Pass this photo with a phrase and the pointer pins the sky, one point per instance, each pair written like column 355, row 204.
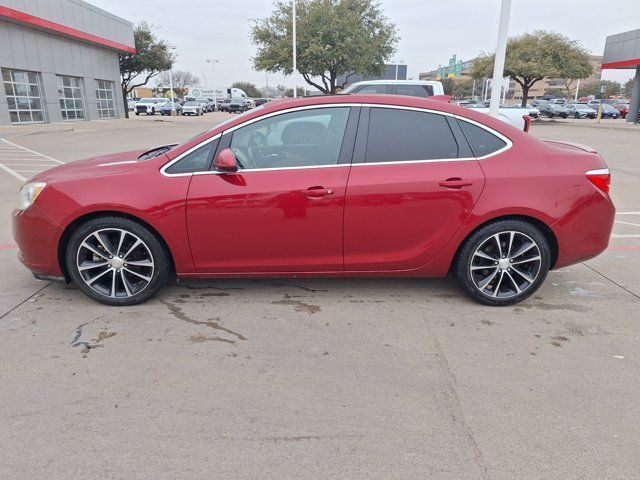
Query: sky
column 430, row 30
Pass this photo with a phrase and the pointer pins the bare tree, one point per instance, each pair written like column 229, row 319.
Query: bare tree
column 181, row 81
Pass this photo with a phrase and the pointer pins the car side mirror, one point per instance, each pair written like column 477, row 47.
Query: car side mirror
column 226, row 161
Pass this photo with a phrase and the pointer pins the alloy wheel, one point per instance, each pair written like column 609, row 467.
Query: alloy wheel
column 115, row 263
column 505, row 264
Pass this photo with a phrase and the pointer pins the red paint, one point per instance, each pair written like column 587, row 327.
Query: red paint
column 7, row 13
column 404, row 219
column 623, row 64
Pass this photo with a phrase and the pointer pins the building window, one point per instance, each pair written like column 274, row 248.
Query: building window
column 104, row 94
column 24, row 97
column 71, row 98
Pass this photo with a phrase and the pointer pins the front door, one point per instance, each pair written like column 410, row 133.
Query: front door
column 283, row 210
column 415, row 184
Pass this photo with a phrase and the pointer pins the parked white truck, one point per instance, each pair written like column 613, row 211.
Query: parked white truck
column 205, row 95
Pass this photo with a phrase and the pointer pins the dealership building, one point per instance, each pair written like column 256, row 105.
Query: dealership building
column 59, row 61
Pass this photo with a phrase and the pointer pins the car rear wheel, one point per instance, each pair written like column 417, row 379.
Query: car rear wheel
column 577, row 115
column 116, row 261
column 503, row 262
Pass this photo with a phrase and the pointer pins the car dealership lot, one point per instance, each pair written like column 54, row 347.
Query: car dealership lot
column 326, row 378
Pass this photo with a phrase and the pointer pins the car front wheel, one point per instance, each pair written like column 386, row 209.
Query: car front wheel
column 116, row 261
column 503, row 262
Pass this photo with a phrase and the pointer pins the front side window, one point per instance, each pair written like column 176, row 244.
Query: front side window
column 298, row 139
column 104, row 95
column 422, row 91
column 71, row 97
column 482, row 142
column 24, row 96
column 397, row 135
column 196, row 161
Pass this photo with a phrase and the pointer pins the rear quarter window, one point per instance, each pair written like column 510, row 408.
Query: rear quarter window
column 481, row 141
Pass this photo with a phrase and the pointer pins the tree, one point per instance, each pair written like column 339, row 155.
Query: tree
column 463, row 88
column 534, row 56
column 448, row 85
column 249, row 88
column 555, row 91
column 181, row 81
column 593, row 88
column 299, row 90
column 334, row 37
column 627, row 88
column 152, row 57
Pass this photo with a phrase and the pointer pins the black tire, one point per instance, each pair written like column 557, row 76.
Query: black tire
column 128, row 281
column 517, row 290
column 577, row 115
column 137, row 113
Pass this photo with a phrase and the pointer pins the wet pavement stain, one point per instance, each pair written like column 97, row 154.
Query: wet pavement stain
column 214, row 294
column 551, row 307
column 306, row 289
column 94, row 342
column 298, row 305
column 177, row 312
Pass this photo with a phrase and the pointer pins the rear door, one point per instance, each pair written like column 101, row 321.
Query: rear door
column 413, row 182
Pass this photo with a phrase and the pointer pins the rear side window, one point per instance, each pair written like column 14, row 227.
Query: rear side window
column 397, row 135
column 415, row 90
column 196, row 161
column 482, row 142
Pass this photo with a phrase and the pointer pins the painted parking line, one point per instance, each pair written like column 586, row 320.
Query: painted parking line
column 21, row 162
column 630, row 224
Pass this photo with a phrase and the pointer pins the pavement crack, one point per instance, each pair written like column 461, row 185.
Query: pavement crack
column 25, row 300
column 177, row 312
column 612, row 281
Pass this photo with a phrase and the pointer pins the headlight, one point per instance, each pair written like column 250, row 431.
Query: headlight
column 28, row 194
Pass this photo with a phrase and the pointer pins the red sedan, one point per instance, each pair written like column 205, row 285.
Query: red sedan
column 350, row 185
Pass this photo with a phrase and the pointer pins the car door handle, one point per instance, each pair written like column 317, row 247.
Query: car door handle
column 317, row 192
column 455, row 182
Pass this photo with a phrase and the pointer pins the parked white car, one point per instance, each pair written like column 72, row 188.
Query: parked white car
column 192, row 108
column 412, row 88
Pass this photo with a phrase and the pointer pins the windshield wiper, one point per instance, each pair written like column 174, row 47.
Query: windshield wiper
column 156, row 152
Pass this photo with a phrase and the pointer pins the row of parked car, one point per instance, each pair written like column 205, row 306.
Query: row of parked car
column 561, row 108
column 193, row 106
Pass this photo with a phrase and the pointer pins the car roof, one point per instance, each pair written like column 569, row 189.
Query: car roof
column 395, row 82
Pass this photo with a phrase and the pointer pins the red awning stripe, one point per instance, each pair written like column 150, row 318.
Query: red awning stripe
column 623, row 64
column 37, row 22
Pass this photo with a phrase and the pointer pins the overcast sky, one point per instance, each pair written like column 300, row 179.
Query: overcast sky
column 430, row 30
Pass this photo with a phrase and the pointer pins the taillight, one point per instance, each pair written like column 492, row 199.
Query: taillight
column 601, row 178
column 527, row 122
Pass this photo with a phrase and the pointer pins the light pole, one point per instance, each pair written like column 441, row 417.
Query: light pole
column 212, row 62
column 295, row 65
column 173, row 102
column 501, row 50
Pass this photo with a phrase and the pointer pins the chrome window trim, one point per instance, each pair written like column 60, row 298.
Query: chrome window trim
column 508, row 142
column 164, row 168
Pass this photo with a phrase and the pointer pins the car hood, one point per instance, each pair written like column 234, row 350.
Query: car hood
column 93, row 167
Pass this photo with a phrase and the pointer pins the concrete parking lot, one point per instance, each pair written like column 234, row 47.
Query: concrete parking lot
column 319, row 378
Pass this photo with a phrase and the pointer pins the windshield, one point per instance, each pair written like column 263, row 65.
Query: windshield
column 191, row 104
column 148, row 100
